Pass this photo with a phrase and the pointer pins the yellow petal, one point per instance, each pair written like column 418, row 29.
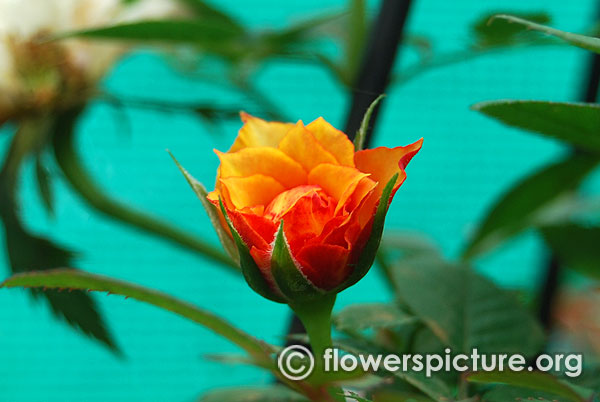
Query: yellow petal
column 259, row 133
column 266, row 161
column 338, row 181
column 333, row 140
column 250, row 191
column 302, row 146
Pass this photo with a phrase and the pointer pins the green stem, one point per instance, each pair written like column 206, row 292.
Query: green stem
column 316, row 318
column 76, row 175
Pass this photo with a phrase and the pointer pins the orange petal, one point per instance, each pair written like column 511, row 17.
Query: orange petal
column 307, row 218
column 255, row 231
column 302, row 146
column 383, row 163
column 259, row 133
column 266, row 161
column 338, row 181
column 250, row 191
column 333, row 140
column 286, row 201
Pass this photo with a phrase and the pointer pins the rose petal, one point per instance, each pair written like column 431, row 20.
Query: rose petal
column 286, row 201
column 340, row 182
column 333, row 140
column 383, row 163
column 255, row 230
column 266, row 161
column 259, row 133
column 302, row 146
column 242, row 192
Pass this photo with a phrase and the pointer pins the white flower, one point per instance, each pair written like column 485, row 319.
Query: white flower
column 23, row 21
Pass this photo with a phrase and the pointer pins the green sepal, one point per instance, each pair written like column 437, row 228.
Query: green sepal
column 250, row 270
column 361, row 134
column 367, row 256
column 290, row 280
column 211, row 211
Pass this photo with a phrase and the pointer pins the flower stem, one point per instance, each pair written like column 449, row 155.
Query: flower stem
column 316, row 317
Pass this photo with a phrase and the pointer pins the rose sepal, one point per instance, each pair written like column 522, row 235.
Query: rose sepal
column 250, row 270
column 369, row 252
column 292, row 283
column 211, row 210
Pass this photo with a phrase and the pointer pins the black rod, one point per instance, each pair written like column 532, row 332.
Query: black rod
column 372, row 80
column 551, row 284
column 377, row 64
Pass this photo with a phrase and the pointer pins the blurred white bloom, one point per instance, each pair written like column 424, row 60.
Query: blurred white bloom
column 22, row 59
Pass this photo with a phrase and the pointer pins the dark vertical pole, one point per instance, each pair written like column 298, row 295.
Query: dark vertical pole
column 551, row 284
column 373, row 77
column 377, row 64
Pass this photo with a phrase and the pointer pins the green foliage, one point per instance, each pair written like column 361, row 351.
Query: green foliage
column 490, row 31
column 44, row 184
column 62, row 279
column 528, row 202
column 361, row 135
column 28, row 252
column 573, row 123
column 530, row 380
column 212, row 212
column 77, row 176
column 202, row 33
column 274, row 393
column 290, row 280
column 465, row 310
column 371, row 316
column 575, row 246
column 585, row 42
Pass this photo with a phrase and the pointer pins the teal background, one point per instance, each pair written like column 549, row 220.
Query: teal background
column 466, row 162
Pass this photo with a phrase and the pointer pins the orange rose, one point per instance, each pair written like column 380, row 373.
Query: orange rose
column 302, row 205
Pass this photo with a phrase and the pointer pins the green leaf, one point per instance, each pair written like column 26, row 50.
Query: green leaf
column 408, row 243
column 251, row 271
column 28, row 252
column 292, row 282
column 371, row 315
column 274, row 393
column 175, row 31
column 206, row 12
column 575, row 246
column 585, row 42
column 525, row 203
column 531, row 380
column 211, row 211
column 361, row 135
column 464, row 309
column 369, row 252
column 503, row 393
column 391, row 395
column 573, row 123
column 490, row 31
column 353, row 396
column 44, row 185
column 77, row 176
column 72, row 279
column 432, row 386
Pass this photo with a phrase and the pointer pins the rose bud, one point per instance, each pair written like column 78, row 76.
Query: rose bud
column 304, row 211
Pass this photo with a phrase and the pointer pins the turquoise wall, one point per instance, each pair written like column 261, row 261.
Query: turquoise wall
column 465, row 163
